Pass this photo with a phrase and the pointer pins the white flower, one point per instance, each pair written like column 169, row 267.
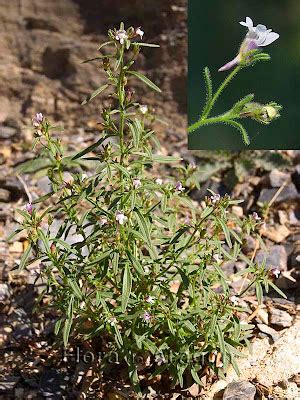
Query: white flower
column 276, row 272
column 143, row 109
column 215, row 198
column 159, row 181
column 103, row 221
column 121, row 36
column 112, row 321
column 257, row 36
column 121, row 218
column 160, row 359
column 218, row 258
column 139, row 32
column 136, row 183
column 150, row 299
column 234, row 300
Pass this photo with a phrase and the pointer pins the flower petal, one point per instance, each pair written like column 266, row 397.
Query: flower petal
column 248, row 23
column 261, row 28
column 271, row 37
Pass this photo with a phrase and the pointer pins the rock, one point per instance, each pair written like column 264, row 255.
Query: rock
column 4, row 292
column 8, row 383
column 4, row 195
column 280, row 318
column 278, row 178
column 276, row 233
column 237, row 210
column 296, row 177
column 240, row 391
column 7, row 132
column 269, row 331
column 16, row 247
column 52, row 384
column 276, row 257
column 288, row 194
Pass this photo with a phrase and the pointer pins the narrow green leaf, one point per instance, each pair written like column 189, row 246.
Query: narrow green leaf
column 66, row 330
column 100, row 258
column 25, row 257
column 145, row 80
column 196, row 376
column 242, row 130
column 145, row 44
column 13, row 234
column 44, row 239
column 88, row 149
column 165, row 159
column 94, row 94
column 126, row 289
column 43, row 198
column 221, row 339
column 226, row 231
column 277, row 290
column 75, row 288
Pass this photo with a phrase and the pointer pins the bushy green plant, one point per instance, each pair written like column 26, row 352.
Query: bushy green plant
column 145, row 273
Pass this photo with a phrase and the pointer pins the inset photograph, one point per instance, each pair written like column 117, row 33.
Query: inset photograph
column 243, row 75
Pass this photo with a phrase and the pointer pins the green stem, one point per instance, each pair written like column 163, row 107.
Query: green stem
column 212, row 120
column 220, row 90
column 221, row 118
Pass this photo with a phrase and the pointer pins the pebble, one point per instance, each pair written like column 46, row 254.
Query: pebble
column 277, row 233
column 4, row 195
column 4, row 292
column 269, row 331
column 7, row 132
column 278, row 178
column 239, row 391
column 280, row 318
column 289, row 193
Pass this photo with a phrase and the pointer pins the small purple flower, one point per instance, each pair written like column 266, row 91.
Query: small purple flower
column 256, row 217
column 103, row 221
column 121, row 218
column 179, row 187
column 257, row 36
column 149, row 299
column 146, row 316
column 37, row 120
column 121, row 36
column 29, row 208
column 139, row 32
column 275, row 272
column 136, row 183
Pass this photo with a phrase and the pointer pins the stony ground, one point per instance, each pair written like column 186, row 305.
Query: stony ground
column 42, row 44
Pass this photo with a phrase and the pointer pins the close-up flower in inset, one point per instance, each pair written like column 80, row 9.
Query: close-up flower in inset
column 257, row 36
